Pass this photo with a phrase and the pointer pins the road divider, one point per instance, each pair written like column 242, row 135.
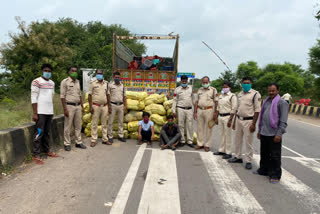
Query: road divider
column 305, row 110
column 16, row 143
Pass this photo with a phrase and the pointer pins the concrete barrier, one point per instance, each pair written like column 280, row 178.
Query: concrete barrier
column 311, row 111
column 16, row 143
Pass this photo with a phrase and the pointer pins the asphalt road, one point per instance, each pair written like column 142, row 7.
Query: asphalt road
column 126, row 178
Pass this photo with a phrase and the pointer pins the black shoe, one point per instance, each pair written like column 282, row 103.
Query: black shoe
column 110, row 140
column 191, row 145
column 81, row 146
column 67, row 148
column 181, row 144
column 219, row 153
column 235, row 160
column 122, row 140
column 226, row 156
column 248, row 166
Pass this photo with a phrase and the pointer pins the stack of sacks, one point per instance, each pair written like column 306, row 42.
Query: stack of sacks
column 157, row 105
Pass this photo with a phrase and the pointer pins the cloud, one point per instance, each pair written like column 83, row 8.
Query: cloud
column 264, row 31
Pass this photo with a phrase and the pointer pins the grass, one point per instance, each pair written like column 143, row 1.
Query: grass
column 17, row 111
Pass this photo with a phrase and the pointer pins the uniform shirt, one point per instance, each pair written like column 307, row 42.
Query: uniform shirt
column 249, row 103
column 171, row 132
column 70, row 90
column 146, row 126
column 266, row 129
column 98, row 90
column 227, row 103
column 207, row 97
column 42, row 92
column 182, row 97
column 116, row 92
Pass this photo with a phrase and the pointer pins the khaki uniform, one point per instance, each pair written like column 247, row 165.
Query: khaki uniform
column 206, row 98
column 98, row 91
column 183, row 102
column 248, row 104
column 117, row 93
column 70, row 90
column 227, row 104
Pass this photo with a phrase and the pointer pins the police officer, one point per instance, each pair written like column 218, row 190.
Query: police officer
column 204, row 112
column 117, row 105
column 70, row 94
column 249, row 106
column 183, row 102
column 227, row 106
column 98, row 104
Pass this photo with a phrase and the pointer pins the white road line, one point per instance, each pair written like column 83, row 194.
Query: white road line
column 161, row 191
column 294, row 152
column 305, row 122
column 232, row 191
column 124, row 192
column 304, row 194
column 309, row 163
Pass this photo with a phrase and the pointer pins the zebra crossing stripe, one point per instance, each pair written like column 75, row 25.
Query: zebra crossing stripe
column 161, row 191
column 124, row 192
column 234, row 194
column 305, row 195
column 309, row 163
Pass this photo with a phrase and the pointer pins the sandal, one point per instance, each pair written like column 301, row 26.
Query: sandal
column 52, row 154
column 274, row 181
column 38, row 160
column 93, row 144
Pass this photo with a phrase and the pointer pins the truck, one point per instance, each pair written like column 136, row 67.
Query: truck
column 153, row 74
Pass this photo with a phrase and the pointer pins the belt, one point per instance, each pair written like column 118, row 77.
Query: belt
column 118, row 104
column 245, row 118
column 205, row 108
column 73, row 104
column 185, row 108
column 97, row 104
column 223, row 115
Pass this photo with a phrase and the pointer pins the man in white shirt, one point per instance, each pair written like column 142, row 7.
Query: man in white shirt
column 42, row 91
column 146, row 129
column 287, row 97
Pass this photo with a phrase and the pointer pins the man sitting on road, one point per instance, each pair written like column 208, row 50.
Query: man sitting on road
column 146, row 129
column 272, row 125
column 170, row 134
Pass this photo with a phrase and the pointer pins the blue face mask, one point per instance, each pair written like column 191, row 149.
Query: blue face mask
column 99, row 76
column 47, row 75
column 246, row 87
column 184, row 84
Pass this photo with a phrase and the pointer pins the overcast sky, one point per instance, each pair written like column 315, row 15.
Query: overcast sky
column 270, row 31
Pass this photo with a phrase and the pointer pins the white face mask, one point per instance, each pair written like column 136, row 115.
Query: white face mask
column 205, row 85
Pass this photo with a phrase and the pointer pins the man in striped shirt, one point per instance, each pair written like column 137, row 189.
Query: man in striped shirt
column 42, row 91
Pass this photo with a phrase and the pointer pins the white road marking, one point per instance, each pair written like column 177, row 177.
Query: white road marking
column 305, row 122
column 161, row 191
column 232, row 191
column 294, row 152
column 124, row 192
column 305, row 195
column 309, row 163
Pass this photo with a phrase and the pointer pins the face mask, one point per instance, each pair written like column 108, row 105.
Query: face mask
column 246, row 87
column 225, row 90
column 46, row 75
column 74, row 75
column 205, row 85
column 170, row 123
column 184, row 84
column 99, row 76
column 146, row 120
column 117, row 80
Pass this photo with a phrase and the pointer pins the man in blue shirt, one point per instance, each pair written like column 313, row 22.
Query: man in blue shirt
column 146, row 129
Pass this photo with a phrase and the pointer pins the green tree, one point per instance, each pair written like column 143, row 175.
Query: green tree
column 62, row 43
